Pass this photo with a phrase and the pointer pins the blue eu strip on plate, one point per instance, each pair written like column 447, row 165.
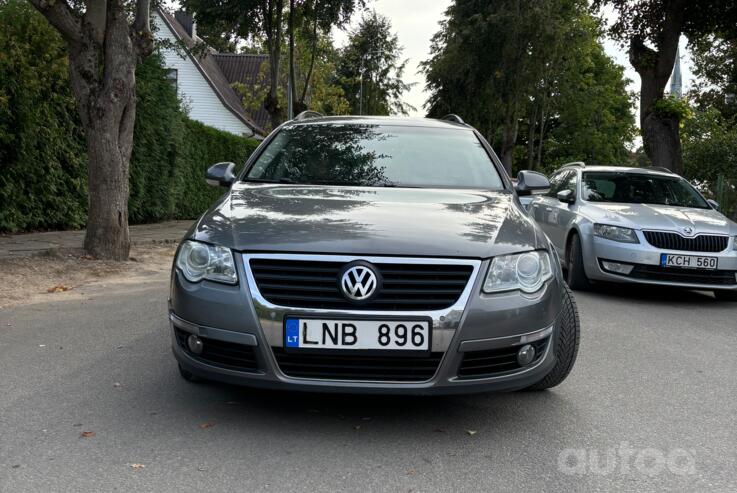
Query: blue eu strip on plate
column 292, row 339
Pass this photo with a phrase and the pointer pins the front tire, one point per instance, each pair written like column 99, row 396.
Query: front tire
column 568, row 336
column 724, row 295
column 576, row 275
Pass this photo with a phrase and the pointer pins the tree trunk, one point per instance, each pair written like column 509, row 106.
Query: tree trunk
column 531, row 126
column 104, row 49
column 292, row 78
column 313, row 55
column 660, row 133
column 543, row 116
column 107, row 107
column 107, row 223
column 273, row 15
column 509, row 139
column 662, row 141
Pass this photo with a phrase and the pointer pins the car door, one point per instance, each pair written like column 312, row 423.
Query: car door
column 545, row 209
column 564, row 214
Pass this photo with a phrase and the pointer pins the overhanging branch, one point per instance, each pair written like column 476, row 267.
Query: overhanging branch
column 62, row 17
column 142, row 28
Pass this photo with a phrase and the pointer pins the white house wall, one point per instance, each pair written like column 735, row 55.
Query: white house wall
column 199, row 98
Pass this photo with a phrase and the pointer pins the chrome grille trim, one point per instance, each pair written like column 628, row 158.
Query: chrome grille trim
column 444, row 321
column 404, row 287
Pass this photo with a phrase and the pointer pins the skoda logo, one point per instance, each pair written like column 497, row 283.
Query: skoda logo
column 359, row 282
column 688, row 230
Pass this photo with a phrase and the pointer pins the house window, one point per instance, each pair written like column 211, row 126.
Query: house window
column 172, row 75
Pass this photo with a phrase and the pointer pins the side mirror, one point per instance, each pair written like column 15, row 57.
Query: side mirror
column 713, row 203
column 220, row 175
column 531, row 181
column 566, row 196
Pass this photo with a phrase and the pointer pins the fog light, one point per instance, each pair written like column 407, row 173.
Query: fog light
column 525, row 355
column 617, row 268
column 195, row 344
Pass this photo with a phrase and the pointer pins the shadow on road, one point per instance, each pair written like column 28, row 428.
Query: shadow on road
column 655, row 294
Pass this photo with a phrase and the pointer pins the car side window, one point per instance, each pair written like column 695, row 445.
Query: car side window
column 557, row 181
column 570, row 183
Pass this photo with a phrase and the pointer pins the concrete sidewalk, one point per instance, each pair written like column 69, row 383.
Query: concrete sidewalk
column 35, row 243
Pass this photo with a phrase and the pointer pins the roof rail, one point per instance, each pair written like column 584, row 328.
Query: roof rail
column 452, row 117
column 574, row 164
column 661, row 168
column 305, row 115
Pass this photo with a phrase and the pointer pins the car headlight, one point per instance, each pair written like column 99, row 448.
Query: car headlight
column 616, row 233
column 524, row 271
column 199, row 261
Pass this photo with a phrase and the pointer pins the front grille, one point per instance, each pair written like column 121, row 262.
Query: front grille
column 357, row 367
column 495, row 362
column 220, row 353
column 314, row 284
column 691, row 276
column 674, row 241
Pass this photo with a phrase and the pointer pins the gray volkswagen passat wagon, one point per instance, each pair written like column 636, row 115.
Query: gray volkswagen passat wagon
column 358, row 254
column 636, row 225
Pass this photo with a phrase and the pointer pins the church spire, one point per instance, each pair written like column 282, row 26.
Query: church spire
column 676, row 83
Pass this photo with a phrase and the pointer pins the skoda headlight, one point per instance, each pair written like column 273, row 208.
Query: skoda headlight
column 524, row 271
column 616, row 233
column 199, row 261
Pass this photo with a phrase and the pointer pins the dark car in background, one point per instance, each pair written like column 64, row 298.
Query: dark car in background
column 360, row 254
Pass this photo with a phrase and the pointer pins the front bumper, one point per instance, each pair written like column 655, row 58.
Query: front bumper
column 646, row 261
column 245, row 325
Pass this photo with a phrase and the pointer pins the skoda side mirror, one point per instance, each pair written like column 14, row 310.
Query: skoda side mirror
column 220, row 175
column 529, row 182
column 566, row 196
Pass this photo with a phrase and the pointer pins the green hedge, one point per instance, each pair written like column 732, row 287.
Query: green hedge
column 43, row 170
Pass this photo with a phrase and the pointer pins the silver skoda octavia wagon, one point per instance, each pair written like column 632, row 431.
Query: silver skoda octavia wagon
column 636, row 225
column 357, row 254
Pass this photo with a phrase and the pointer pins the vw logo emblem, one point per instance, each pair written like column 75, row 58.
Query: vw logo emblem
column 688, row 230
column 359, row 282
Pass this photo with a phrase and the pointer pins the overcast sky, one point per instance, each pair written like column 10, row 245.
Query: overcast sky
column 415, row 22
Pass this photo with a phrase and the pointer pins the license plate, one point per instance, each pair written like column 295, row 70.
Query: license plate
column 688, row 261
column 313, row 333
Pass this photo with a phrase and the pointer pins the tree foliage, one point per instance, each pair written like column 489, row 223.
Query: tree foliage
column 43, row 159
column 261, row 24
column 532, row 76
column 715, row 66
column 372, row 61
column 651, row 30
column 710, row 156
column 316, row 84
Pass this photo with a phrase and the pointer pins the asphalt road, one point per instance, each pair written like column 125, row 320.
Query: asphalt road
column 650, row 406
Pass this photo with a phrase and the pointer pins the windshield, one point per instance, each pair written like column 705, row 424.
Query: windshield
column 640, row 188
column 376, row 155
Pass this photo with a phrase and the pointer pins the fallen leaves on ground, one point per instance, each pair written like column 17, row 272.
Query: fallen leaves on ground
column 87, row 434
column 138, row 466
column 209, row 424
column 471, row 432
column 411, row 472
column 59, row 288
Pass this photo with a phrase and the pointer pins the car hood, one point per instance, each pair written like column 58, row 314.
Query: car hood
column 661, row 217
column 368, row 221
